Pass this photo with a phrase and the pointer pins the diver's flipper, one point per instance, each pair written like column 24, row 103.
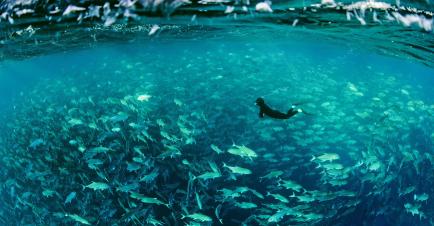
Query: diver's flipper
column 306, row 113
column 299, row 103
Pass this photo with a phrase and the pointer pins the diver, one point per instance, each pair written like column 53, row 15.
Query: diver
column 264, row 109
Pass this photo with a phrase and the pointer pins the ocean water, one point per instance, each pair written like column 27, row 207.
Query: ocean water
column 133, row 124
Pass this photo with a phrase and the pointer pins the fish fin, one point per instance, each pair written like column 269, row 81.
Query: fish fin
column 279, row 182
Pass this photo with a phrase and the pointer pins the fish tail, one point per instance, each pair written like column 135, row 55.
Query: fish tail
column 192, row 176
column 279, row 182
column 313, row 158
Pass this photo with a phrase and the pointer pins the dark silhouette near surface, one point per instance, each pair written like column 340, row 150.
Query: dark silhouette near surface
column 264, row 109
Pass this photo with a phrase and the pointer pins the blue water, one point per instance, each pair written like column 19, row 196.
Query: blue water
column 17, row 75
column 146, row 113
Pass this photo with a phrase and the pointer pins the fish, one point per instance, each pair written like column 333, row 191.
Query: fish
column 48, row 193
column 282, row 212
column 337, row 182
column 146, row 199
column 374, row 166
column 133, row 166
column 412, row 208
column 152, row 221
column 171, row 153
column 237, row 169
column 421, row 198
column 127, row 187
column 150, row 177
column 73, row 142
column 256, row 193
column 345, row 193
column 213, row 166
column 186, row 162
column 94, row 163
column 120, row 117
column 94, row 151
column 272, row 174
column 217, row 213
column 278, row 197
column 312, row 216
column 290, row 185
column 116, row 129
column 160, row 122
column 241, row 190
column 144, row 97
column 209, row 175
column 303, row 198
column 245, row 205
column 98, row 186
column 326, row 157
column 216, row 149
column 138, row 159
column 70, row 197
column 36, row 143
column 242, row 151
column 199, row 202
column 185, row 131
column 78, row 219
column 198, row 217
column 75, row 122
column 102, row 175
column 332, row 166
column 228, row 193
column 178, row 102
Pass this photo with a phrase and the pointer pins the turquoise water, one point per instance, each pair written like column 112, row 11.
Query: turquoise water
column 112, row 126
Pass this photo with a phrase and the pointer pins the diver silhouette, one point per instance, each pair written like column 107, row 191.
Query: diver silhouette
column 264, row 109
